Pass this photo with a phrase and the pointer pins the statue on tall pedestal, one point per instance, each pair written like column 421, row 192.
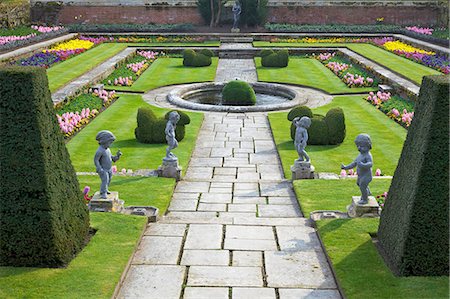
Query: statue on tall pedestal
column 236, row 9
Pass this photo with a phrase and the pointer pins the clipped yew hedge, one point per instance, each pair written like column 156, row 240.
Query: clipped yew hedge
column 238, row 93
column 270, row 58
column 197, row 59
column 414, row 226
column 43, row 219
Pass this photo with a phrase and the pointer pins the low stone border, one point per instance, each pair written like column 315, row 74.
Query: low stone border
column 176, row 97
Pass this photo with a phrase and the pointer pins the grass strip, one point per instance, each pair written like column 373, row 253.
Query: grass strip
column 120, row 118
column 360, row 117
column 62, row 73
column 94, row 273
column 170, row 71
column 306, row 72
column 181, row 45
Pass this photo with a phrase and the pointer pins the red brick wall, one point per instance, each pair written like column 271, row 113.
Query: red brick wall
column 406, row 15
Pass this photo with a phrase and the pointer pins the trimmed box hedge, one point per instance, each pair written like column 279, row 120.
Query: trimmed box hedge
column 270, row 58
column 43, row 219
column 414, row 226
column 238, row 93
column 197, row 59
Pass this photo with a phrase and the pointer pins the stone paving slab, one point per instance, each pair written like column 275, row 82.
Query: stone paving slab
column 249, row 232
column 192, row 187
column 249, row 244
column 247, row 258
column 251, row 208
column 225, row 276
column 204, row 236
column 308, row 293
column 185, row 195
column 246, row 293
column 183, row 205
column 282, row 200
column 205, row 258
column 216, row 207
column 269, row 221
column 278, row 211
column 216, row 198
column 161, row 229
column 205, row 293
column 153, row 281
column 276, row 189
column 158, row 250
column 249, row 200
column 306, row 269
column 296, row 238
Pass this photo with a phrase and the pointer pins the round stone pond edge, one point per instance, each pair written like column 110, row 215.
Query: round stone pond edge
column 176, row 97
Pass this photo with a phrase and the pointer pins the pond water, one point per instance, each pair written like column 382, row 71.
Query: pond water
column 215, row 98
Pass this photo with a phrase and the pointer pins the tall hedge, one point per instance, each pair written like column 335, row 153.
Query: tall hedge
column 43, row 219
column 414, row 226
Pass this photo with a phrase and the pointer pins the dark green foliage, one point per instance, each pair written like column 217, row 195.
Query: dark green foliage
column 335, row 121
column 266, row 52
column 151, row 129
column 43, row 219
column 121, row 70
column 414, row 225
column 324, row 130
column 184, row 118
column 238, row 93
column 207, row 52
column 254, row 12
column 120, row 28
column 192, row 58
column 277, row 59
column 299, row 111
column 204, row 7
column 84, row 100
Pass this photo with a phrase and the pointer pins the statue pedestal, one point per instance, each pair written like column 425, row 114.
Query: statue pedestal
column 302, row 170
column 170, row 169
column 370, row 209
column 110, row 204
column 235, row 30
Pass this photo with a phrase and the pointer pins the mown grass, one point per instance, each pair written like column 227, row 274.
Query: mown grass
column 170, row 71
column 360, row 117
column 62, row 73
column 120, row 118
column 136, row 191
column 306, row 72
column 208, row 43
column 93, row 273
column 361, row 271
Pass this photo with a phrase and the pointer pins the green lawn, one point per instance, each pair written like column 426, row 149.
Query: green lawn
column 306, row 72
column 169, row 71
column 361, row 271
column 120, row 118
column 208, row 43
column 136, row 191
column 405, row 67
column 314, row 195
column 66, row 71
column 95, row 271
column 360, row 117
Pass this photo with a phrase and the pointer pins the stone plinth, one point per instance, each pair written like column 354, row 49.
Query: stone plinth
column 370, row 209
column 235, row 30
column 170, row 169
column 110, row 204
column 302, row 170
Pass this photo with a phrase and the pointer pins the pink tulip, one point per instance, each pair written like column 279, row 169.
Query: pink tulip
column 351, row 172
column 114, row 169
column 123, row 171
column 86, row 189
column 378, row 172
column 343, row 173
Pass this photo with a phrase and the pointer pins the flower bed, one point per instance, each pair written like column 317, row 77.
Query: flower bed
column 395, row 107
column 351, row 75
column 129, row 70
column 11, row 39
column 78, row 112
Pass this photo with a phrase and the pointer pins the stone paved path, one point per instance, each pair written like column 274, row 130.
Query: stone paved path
column 230, row 69
column 234, row 228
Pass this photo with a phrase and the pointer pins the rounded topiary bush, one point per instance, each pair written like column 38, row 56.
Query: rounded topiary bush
column 335, row 121
column 188, row 57
column 192, row 58
column 184, row 118
column 207, row 52
column 145, row 121
column 318, row 131
column 299, row 111
column 238, row 93
column 276, row 59
column 266, row 52
column 202, row 60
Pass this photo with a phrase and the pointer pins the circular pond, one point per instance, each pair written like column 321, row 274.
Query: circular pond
column 207, row 97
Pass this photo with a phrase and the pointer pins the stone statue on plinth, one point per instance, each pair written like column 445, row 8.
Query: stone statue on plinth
column 365, row 204
column 170, row 167
column 302, row 168
column 236, row 9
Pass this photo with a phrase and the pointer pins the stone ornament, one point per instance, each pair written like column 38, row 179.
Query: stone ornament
column 363, row 164
column 103, row 160
column 236, row 9
column 301, row 137
column 172, row 142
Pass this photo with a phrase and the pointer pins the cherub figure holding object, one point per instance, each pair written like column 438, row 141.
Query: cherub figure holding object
column 301, row 136
column 363, row 165
column 103, row 160
column 171, row 125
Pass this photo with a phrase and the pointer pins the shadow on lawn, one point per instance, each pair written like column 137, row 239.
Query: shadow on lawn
column 289, row 145
column 132, row 143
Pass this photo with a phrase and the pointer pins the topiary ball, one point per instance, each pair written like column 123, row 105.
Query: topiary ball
column 188, row 57
column 318, row 131
column 299, row 111
column 238, row 93
column 335, row 121
column 145, row 123
column 266, row 52
column 207, row 52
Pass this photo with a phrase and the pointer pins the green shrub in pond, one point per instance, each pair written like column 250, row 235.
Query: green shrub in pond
column 192, row 58
column 44, row 221
column 324, row 130
column 238, row 93
column 277, row 59
column 151, row 129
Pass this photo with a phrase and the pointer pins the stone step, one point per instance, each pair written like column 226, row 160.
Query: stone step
column 235, row 39
column 238, row 53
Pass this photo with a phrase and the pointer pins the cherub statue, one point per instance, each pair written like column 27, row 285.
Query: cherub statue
column 171, row 125
column 103, row 160
column 301, row 136
column 363, row 165
column 236, row 9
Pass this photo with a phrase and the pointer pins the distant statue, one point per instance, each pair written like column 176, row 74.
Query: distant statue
column 236, row 13
column 363, row 165
column 171, row 125
column 301, row 136
column 103, row 160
